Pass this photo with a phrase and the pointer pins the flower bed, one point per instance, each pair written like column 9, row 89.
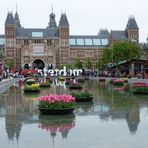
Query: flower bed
column 32, row 88
column 56, row 104
column 140, row 88
column 75, row 85
column 61, row 78
column 30, row 81
column 125, row 79
column 45, row 84
column 112, row 79
column 83, row 96
column 118, row 82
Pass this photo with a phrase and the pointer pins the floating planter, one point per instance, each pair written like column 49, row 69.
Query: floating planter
column 45, row 84
column 75, row 85
column 125, row 79
column 61, row 78
column 56, row 104
column 32, row 88
column 112, row 79
column 140, row 88
column 82, row 96
column 118, row 82
column 30, row 81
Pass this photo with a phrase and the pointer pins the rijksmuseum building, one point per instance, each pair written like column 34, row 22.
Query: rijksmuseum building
column 53, row 45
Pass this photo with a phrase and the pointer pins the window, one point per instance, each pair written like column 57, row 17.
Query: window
column 80, row 41
column 88, row 42
column 2, row 41
column 72, row 41
column 104, row 42
column 26, row 42
column 96, row 42
column 64, row 43
column 10, row 43
column 37, row 34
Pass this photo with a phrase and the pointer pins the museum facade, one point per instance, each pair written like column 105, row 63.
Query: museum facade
column 53, row 45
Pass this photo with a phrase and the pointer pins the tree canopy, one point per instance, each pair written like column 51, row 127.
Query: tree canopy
column 125, row 50
column 122, row 50
column 78, row 64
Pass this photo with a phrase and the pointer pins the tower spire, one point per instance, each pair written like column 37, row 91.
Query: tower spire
column 52, row 8
column 16, row 17
column 16, row 6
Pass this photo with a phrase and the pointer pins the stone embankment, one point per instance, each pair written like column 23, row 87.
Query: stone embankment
column 6, row 84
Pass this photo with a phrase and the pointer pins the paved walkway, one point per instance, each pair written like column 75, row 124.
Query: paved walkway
column 7, row 83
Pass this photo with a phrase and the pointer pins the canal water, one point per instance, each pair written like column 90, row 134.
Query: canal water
column 116, row 118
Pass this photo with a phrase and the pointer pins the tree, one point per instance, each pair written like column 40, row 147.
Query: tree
column 10, row 63
column 88, row 64
column 125, row 50
column 104, row 59
column 78, row 64
column 68, row 66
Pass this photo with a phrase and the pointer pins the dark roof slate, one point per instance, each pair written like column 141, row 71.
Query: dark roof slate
column 63, row 21
column 132, row 24
column 104, row 33
column 9, row 19
column 47, row 32
column 118, row 35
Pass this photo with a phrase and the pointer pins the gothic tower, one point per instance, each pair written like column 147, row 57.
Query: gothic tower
column 64, row 39
column 53, row 39
column 132, row 30
column 18, row 47
column 10, row 36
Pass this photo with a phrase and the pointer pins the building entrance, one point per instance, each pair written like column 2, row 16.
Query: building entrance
column 39, row 64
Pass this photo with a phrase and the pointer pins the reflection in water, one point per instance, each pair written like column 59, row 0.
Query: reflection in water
column 84, row 108
column 133, row 119
column 55, row 124
column 109, row 104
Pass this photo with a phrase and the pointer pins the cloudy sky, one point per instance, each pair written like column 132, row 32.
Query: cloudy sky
column 85, row 16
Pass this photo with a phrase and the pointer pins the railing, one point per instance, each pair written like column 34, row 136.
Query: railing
column 6, row 84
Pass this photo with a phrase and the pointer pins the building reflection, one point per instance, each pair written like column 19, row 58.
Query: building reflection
column 13, row 106
column 133, row 119
column 16, row 106
column 21, row 108
column 121, row 106
column 57, row 124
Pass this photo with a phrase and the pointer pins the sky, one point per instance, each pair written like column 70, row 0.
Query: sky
column 86, row 17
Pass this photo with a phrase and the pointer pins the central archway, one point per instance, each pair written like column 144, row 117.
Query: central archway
column 38, row 63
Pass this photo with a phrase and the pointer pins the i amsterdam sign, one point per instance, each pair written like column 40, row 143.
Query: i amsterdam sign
column 61, row 72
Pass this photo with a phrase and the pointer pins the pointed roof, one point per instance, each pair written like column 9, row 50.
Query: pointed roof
column 132, row 24
column 63, row 21
column 16, row 17
column 9, row 19
column 17, row 20
column 104, row 33
column 52, row 22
